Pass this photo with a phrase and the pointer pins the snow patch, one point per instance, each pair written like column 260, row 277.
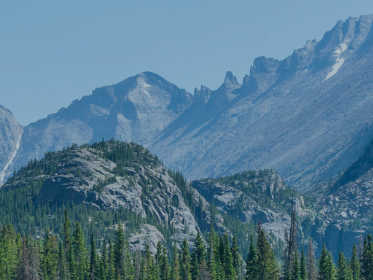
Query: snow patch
column 339, row 62
column 2, row 173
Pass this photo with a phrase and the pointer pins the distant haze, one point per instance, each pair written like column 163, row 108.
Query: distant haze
column 54, row 52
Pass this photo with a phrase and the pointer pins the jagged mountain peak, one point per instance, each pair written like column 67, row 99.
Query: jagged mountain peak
column 202, row 95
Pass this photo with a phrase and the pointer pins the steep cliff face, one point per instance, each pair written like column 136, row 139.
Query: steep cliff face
column 252, row 197
column 10, row 137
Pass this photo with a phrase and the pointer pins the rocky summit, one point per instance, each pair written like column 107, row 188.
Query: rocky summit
column 308, row 116
column 10, row 138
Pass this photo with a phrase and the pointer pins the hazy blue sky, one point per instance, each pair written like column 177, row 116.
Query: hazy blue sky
column 52, row 52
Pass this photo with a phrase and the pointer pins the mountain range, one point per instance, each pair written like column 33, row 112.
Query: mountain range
column 308, row 116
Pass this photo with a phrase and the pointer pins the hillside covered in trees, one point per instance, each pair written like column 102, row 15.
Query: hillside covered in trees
column 70, row 257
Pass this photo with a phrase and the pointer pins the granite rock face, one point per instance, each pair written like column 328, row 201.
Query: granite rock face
column 343, row 216
column 252, row 197
column 10, row 137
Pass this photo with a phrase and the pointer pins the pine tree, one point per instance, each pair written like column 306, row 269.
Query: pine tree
column 185, row 262
column 93, row 267
column 303, row 267
column 235, row 255
column 119, row 252
column 267, row 267
column 252, row 269
column 326, row 266
column 111, row 272
column 129, row 267
column 49, row 261
column 295, row 270
column 104, row 262
column 311, row 263
column 175, row 270
column 230, row 273
column 343, row 268
column 211, row 254
column 67, row 244
column 367, row 259
column 62, row 270
column 355, row 264
column 80, row 254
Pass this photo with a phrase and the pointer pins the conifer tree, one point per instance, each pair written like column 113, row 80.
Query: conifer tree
column 311, row 263
column 119, row 252
column 104, row 262
column 93, row 267
column 303, row 267
column 295, row 269
column 355, row 264
column 235, row 255
column 367, row 259
column 267, row 266
column 211, row 254
column 62, row 270
column 129, row 267
column 175, row 270
column 185, row 262
column 49, row 260
column 326, row 266
column 230, row 273
column 67, row 244
column 252, row 269
column 164, row 267
column 111, row 263
column 80, row 254
column 343, row 268
column 198, row 256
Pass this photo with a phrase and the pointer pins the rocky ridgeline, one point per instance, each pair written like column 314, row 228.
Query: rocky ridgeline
column 10, row 137
column 254, row 196
column 308, row 116
column 83, row 175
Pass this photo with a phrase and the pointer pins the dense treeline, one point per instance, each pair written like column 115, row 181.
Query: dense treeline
column 70, row 257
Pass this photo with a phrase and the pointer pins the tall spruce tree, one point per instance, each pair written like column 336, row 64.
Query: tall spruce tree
column 175, row 269
column 326, row 266
column 343, row 268
column 367, row 259
column 119, row 252
column 235, row 255
column 80, row 254
column 303, row 267
column 93, row 267
column 295, row 269
column 62, row 270
column 252, row 269
column 185, row 262
column 267, row 266
column 230, row 273
column 355, row 264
